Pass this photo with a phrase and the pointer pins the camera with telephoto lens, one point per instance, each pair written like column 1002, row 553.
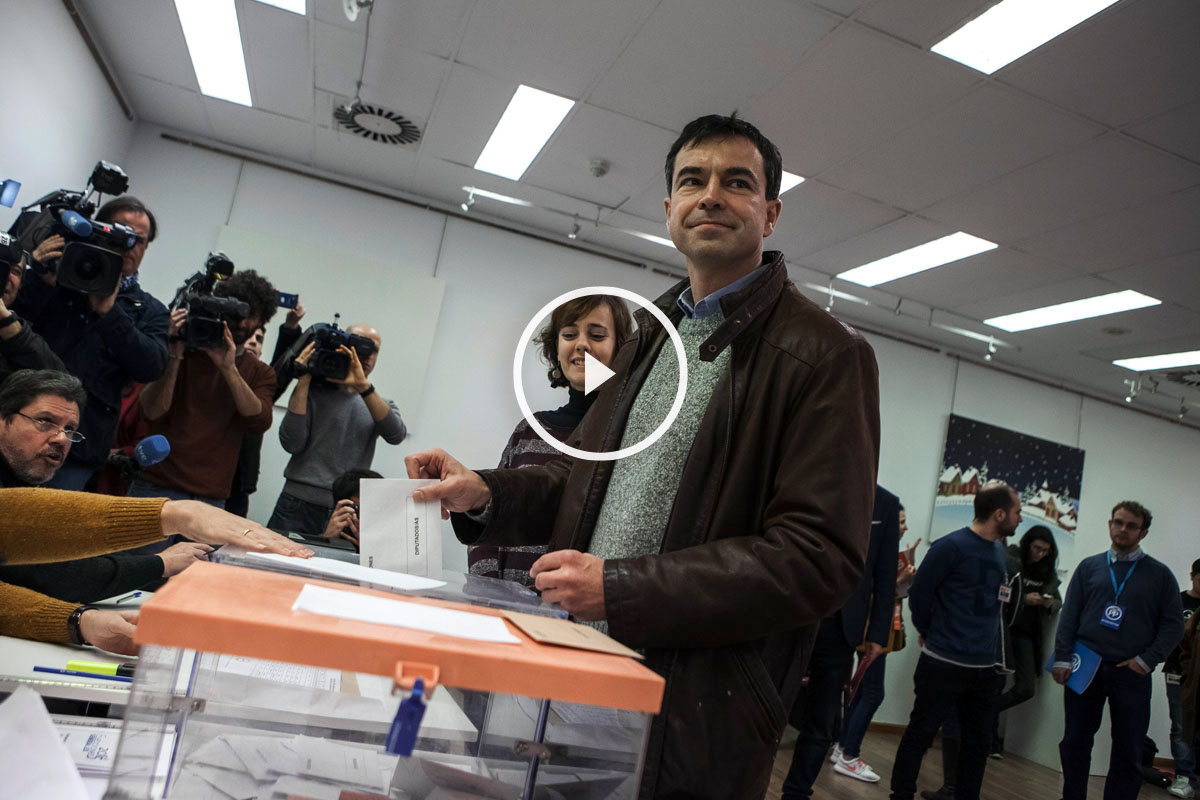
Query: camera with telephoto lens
column 326, row 361
column 207, row 313
column 94, row 251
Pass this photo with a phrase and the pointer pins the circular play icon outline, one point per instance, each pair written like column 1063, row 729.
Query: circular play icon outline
column 519, row 385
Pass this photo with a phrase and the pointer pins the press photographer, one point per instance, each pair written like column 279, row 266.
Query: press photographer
column 20, row 347
column 333, row 419
column 108, row 338
column 212, row 391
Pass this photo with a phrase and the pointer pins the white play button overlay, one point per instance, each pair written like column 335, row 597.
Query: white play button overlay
column 594, row 373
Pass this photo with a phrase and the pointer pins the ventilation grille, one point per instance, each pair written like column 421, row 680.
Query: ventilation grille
column 377, row 124
column 1183, row 377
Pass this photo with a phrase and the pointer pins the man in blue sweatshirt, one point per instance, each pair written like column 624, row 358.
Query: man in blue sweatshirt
column 1124, row 606
column 955, row 600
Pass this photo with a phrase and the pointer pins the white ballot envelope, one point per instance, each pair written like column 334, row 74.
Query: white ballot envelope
column 395, row 532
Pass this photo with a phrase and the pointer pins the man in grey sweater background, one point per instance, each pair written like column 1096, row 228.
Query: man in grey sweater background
column 330, row 428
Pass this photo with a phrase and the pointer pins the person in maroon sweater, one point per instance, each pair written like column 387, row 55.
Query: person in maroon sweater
column 207, row 399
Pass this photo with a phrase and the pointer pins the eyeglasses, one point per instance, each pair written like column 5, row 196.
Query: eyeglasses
column 46, row 426
column 1128, row 525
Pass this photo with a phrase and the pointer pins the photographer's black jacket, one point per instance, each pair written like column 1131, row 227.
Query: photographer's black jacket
column 26, row 350
column 127, row 344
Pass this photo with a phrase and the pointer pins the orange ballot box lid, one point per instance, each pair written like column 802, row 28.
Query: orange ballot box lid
column 217, row 608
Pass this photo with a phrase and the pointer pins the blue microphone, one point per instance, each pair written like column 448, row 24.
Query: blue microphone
column 76, row 223
column 151, row 450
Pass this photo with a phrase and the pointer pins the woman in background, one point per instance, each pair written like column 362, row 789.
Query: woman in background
column 595, row 325
column 846, row 755
column 1039, row 575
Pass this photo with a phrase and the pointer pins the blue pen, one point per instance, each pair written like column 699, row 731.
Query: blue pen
column 127, row 597
column 57, row 671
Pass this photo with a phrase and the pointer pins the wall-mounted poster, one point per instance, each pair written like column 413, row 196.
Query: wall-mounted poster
column 1048, row 476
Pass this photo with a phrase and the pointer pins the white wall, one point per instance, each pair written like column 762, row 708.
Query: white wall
column 57, row 126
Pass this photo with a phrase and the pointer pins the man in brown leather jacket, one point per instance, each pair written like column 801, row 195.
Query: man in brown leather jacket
column 767, row 513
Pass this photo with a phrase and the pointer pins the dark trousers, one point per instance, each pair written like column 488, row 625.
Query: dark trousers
column 867, row 701
column 817, row 715
column 293, row 515
column 1128, row 697
column 1025, row 672
column 941, row 689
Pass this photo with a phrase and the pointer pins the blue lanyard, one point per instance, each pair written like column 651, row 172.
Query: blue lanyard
column 1113, row 574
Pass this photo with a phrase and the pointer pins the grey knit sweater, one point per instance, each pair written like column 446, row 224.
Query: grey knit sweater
column 641, row 492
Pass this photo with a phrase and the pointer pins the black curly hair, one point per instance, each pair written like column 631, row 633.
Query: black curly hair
column 252, row 289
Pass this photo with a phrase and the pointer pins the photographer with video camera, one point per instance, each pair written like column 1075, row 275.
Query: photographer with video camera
column 213, row 391
column 334, row 417
column 20, row 347
column 82, row 296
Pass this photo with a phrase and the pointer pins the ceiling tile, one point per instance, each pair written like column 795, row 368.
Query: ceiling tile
column 182, row 109
column 875, row 244
column 431, row 26
column 470, row 105
column 990, row 132
column 1177, row 130
column 817, row 216
column 843, row 7
column 278, row 59
column 260, row 130
column 343, row 152
column 1098, row 177
column 1145, row 326
column 633, row 149
column 922, row 22
column 695, row 57
column 1135, row 60
column 158, row 49
column 337, row 56
column 1176, row 278
column 566, row 52
column 406, row 81
column 1164, row 227
column 1074, row 288
column 998, row 272
column 853, row 89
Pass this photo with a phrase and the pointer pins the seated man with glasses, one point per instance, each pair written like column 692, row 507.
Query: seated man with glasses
column 39, row 415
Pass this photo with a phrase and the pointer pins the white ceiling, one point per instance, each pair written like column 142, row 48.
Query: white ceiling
column 1081, row 160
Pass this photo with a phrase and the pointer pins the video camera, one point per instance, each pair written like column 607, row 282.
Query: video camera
column 11, row 251
column 91, row 260
column 207, row 314
column 326, row 362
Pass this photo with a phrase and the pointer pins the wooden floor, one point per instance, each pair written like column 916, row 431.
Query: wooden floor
column 1010, row 778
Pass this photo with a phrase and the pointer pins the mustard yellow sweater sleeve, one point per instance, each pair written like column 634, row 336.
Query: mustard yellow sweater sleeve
column 26, row 614
column 43, row 525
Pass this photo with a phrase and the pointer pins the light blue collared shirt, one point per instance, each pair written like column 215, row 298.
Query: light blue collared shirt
column 1133, row 556
column 712, row 304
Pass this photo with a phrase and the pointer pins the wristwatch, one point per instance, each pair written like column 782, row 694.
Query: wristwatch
column 9, row 320
column 73, row 631
column 365, row 393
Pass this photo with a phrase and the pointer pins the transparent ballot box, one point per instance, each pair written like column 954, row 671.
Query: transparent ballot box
column 256, row 684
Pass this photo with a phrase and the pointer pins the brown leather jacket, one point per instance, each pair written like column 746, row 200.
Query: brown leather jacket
column 767, row 536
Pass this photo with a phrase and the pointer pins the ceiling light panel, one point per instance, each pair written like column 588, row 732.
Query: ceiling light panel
column 1086, row 308
column 214, row 42
column 1010, row 29
column 294, row 6
column 529, row 121
column 1163, row 361
column 649, row 237
column 937, row 253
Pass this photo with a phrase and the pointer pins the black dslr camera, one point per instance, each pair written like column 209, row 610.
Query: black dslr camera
column 326, row 362
column 207, row 313
column 91, row 260
column 11, row 252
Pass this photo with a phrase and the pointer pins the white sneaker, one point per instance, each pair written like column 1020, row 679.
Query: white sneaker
column 856, row 768
column 1182, row 787
column 836, row 755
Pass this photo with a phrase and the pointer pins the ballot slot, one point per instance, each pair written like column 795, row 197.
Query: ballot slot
column 217, row 720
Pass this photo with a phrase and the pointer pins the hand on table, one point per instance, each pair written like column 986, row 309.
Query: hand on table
column 207, row 524
column 109, row 630
column 572, row 579
column 182, row 555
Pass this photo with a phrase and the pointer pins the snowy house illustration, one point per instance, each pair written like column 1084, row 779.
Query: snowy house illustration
column 950, row 481
column 1053, row 508
column 969, row 482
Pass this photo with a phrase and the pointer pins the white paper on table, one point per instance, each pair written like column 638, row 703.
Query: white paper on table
column 33, row 759
column 366, row 608
column 342, row 569
column 396, row 532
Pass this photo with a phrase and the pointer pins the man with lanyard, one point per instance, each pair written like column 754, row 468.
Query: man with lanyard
column 1124, row 606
